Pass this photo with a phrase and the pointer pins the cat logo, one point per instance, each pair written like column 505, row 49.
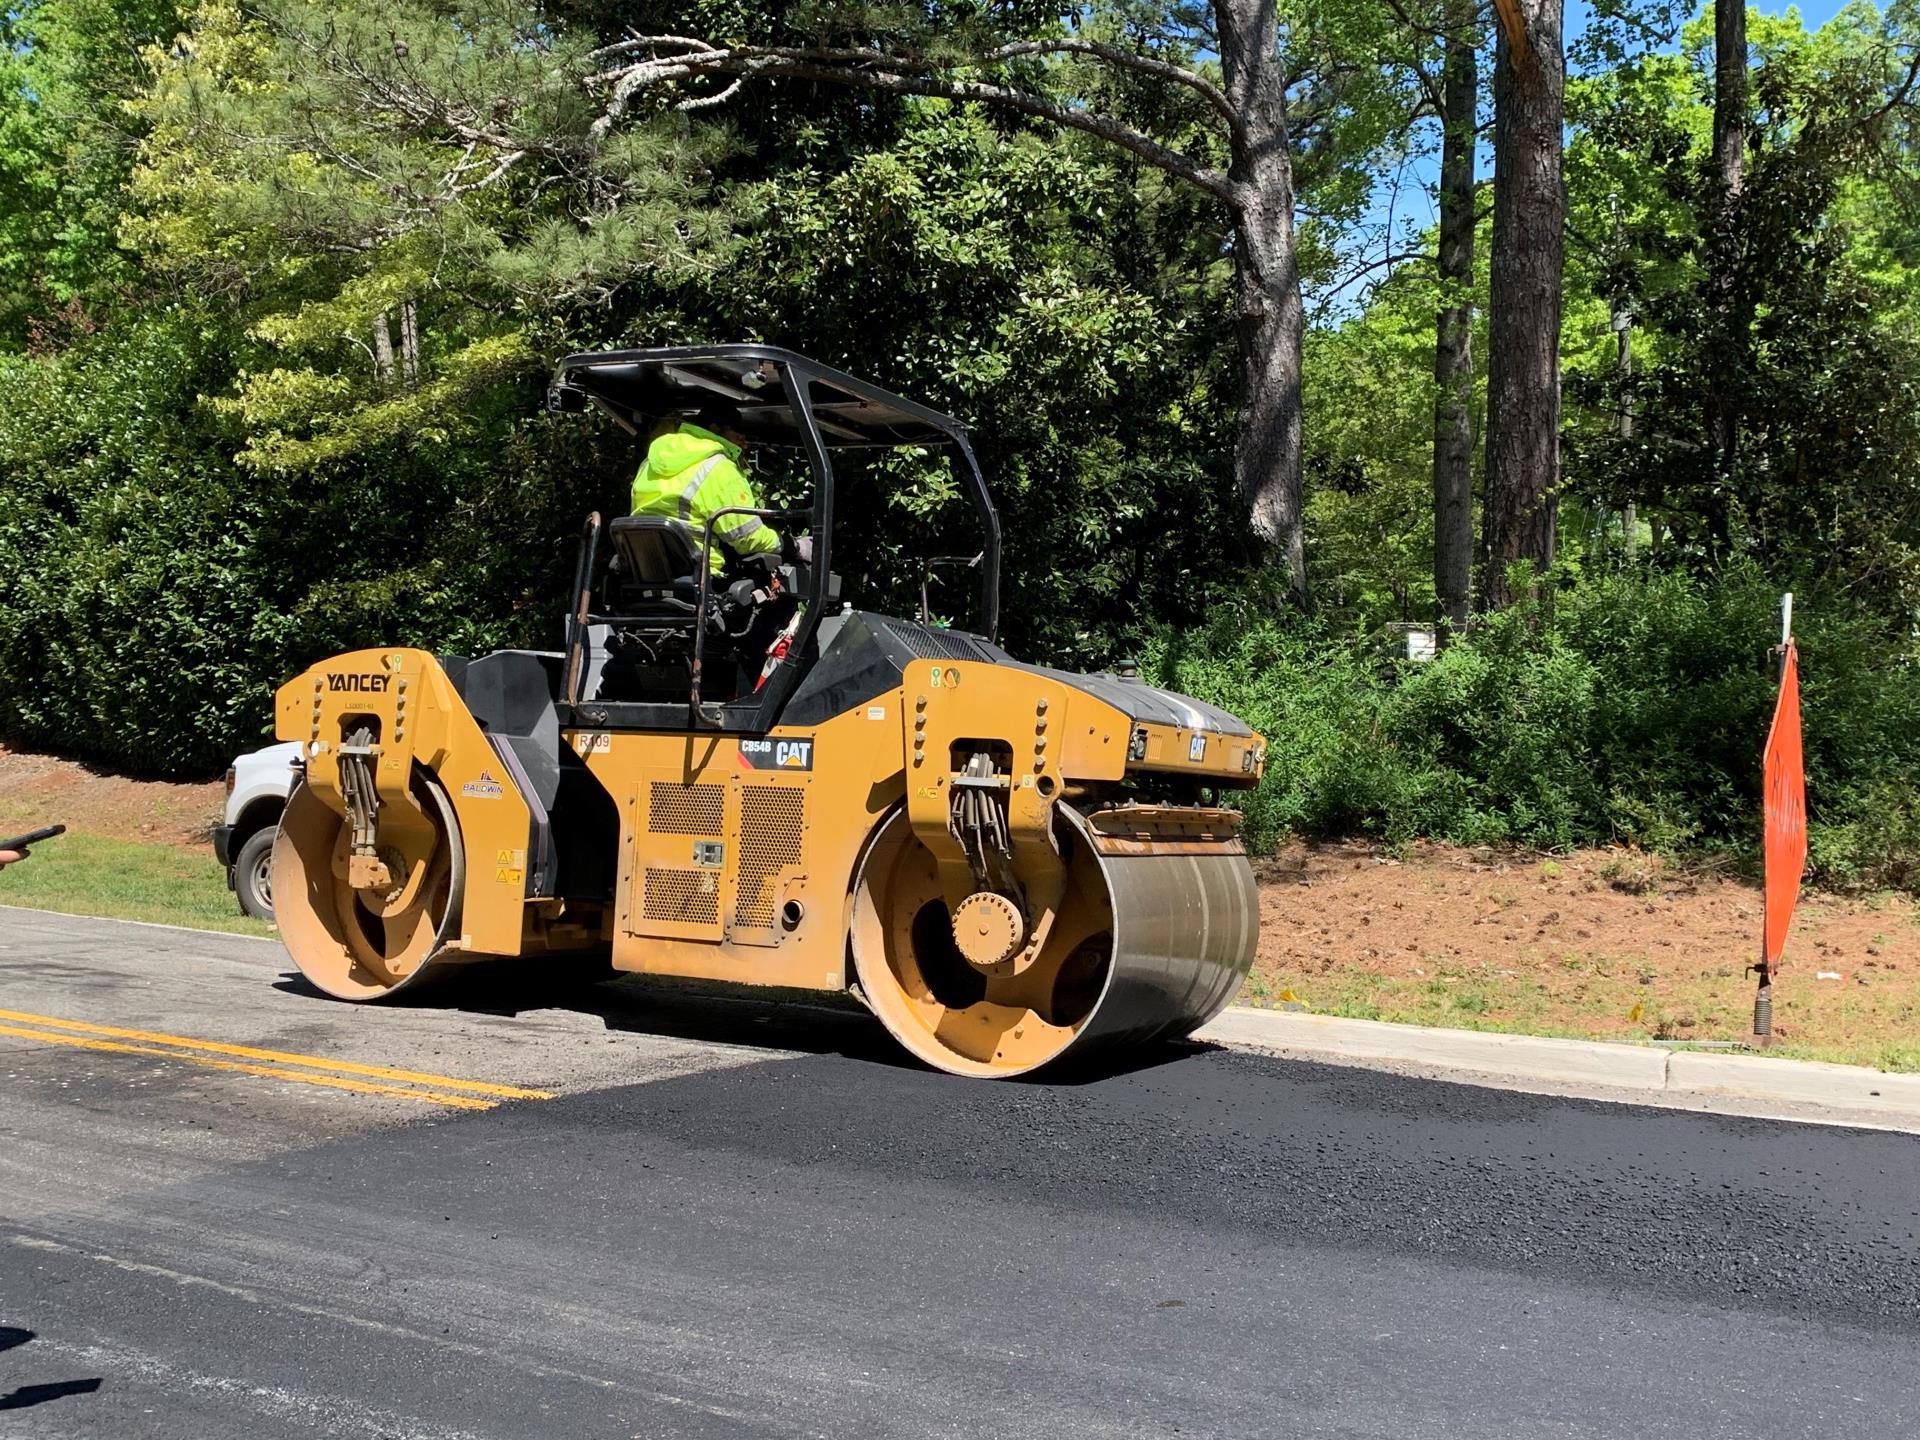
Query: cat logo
column 777, row 754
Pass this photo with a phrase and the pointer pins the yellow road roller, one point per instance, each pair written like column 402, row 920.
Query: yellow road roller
column 730, row 773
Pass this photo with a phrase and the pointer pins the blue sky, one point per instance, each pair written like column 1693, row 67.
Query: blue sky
column 1815, row 13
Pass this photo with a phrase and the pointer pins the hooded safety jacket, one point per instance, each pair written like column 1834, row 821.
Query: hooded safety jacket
column 690, row 474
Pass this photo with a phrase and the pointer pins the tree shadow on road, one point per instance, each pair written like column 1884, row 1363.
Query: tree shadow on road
column 25, row 1397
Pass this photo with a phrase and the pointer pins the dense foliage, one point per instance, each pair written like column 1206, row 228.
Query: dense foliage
column 280, row 286
column 1627, row 715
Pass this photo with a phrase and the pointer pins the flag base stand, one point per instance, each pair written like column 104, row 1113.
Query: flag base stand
column 1762, row 1035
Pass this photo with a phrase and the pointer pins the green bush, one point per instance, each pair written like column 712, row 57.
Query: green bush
column 153, row 593
column 132, row 623
column 1633, row 712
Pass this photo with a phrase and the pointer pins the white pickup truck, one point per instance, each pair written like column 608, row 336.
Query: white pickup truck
column 257, row 788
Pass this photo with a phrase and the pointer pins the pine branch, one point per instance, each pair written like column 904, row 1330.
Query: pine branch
column 892, row 74
column 1130, row 60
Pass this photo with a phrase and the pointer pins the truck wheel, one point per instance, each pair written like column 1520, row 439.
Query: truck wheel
column 253, row 873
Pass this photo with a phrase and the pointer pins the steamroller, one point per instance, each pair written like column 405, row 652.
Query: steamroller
column 731, row 774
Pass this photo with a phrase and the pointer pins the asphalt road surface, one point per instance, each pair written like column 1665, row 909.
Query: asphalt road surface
column 229, row 1207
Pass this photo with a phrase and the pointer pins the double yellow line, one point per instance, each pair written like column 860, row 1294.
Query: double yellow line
column 278, row 1064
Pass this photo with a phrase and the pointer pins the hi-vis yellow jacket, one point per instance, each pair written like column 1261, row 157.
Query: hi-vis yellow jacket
column 689, row 474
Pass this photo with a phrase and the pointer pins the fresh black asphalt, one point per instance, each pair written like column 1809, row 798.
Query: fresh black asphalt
column 815, row 1240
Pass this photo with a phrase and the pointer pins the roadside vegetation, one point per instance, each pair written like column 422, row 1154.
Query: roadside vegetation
column 1629, row 712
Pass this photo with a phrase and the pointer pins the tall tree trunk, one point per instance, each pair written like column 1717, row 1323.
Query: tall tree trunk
column 1723, row 254
column 1623, row 421
column 1729, row 93
column 1268, row 315
column 1620, row 317
column 1523, row 336
column 409, row 343
column 1453, row 333
column 383, row 349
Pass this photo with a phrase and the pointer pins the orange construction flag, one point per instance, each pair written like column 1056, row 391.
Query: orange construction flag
column 1785, row 812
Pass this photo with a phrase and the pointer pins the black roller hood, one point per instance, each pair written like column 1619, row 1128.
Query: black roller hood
column 1140, row 701
column 870, row 653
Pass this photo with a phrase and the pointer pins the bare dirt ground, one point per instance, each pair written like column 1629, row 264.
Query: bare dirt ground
column 1610, row 944
column 37, row 790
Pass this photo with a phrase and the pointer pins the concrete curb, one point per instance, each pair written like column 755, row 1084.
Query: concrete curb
column 1482, row 1053
column 1752, row 1085
column 1853, row 1087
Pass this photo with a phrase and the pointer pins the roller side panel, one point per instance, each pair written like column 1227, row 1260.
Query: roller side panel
column 721, row 834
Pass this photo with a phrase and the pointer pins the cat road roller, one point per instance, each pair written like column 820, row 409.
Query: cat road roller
column 730, row 774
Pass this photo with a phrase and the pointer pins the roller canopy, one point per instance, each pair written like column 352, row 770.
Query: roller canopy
column 750, row 382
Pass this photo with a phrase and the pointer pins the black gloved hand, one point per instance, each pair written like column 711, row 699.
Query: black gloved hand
column 798, row 549
column 734, row 610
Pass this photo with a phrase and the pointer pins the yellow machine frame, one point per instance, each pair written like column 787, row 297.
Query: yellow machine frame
column 791, row 816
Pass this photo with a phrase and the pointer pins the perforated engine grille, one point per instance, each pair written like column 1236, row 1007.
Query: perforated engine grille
column 924, row 642
column 771, row 820
column 691, row 897
column 685, row 809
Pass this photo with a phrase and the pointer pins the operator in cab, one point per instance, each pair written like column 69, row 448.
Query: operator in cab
column 692, row 472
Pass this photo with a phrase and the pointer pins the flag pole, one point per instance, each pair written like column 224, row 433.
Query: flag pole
column 1763, row 996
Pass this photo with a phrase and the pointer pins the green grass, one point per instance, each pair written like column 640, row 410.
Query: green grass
column 1880, row 1034
column 83, row 874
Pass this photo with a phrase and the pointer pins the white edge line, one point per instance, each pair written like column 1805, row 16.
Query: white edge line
column 146, row 924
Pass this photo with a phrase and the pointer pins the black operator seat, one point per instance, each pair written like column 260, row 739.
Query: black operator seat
column 657, row 559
